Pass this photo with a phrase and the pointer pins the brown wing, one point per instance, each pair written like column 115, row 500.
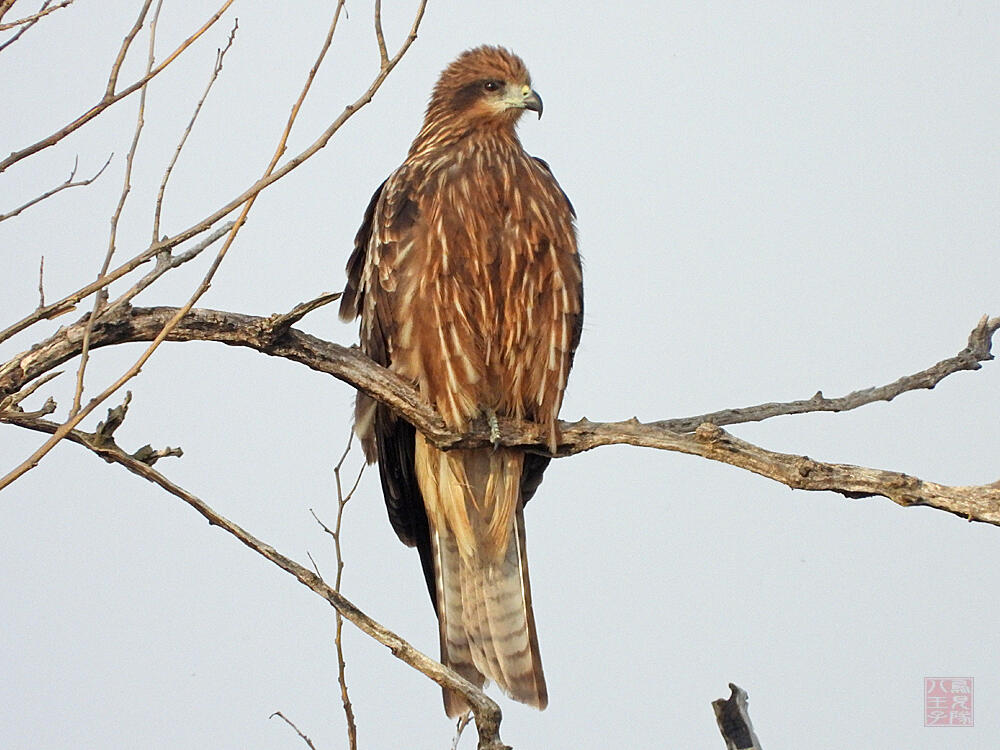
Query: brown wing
column 386, row 438
column 535, row 464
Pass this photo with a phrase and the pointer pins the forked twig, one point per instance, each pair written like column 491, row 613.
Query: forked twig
column 69, row 183
column 35, row 17
column 342, row 499
column 217, row 68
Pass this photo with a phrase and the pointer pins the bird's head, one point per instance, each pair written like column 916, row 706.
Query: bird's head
column 484, row 87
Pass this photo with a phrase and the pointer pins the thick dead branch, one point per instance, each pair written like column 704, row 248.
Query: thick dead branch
column 271, row 336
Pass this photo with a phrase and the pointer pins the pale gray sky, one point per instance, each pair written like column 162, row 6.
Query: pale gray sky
column 773, row 198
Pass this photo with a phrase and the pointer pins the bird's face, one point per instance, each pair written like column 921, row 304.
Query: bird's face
column 494, row 99
column 485, row 87
column 508, row 98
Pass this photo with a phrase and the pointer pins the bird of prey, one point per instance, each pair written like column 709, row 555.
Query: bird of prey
column 466, row 277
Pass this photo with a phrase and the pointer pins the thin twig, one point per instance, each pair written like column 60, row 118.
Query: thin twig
column 68, row 303
column 383, row 53
column 108, row 99
column 116, row 66
column 69, row 183
column 34, row 17
column 101, row 297
column 41, row 281
column 977, row 350
column 297, row 730
column 14, row 399
column 219, row 55
column 166, row 262
column 342, row 499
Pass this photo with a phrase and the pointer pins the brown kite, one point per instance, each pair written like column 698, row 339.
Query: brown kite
column 466, row 276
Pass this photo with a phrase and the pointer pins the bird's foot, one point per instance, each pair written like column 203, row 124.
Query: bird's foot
column 491, row 420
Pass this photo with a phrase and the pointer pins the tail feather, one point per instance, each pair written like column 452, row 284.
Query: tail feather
column 487, row 628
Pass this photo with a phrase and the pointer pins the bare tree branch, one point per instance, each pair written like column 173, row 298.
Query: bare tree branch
column 33, row 460
column 67, row 303
column 110, row 97
column 976, row 352
column 978, row 503
column 34, row 17
column 486, row 711
column 69, row 183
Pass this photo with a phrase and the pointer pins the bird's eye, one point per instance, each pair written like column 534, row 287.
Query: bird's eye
column 491, row 85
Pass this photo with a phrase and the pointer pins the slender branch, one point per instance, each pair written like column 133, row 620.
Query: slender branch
column 12, row 400
column 977, row 351
column 166, row 262
column 342, row 500
column 383, row 53
column 116, row 66
column 110, row 97
column 41, row 281
column 978, row 503
column 69, row 183
column 216, row 69
column 298, row 731
column 34, row 17
column 68, row 303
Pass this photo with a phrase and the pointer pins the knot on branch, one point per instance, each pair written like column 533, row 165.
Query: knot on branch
column 271, row 329
column 805, row 466
column 707, row 432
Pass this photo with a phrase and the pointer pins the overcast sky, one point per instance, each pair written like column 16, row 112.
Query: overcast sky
column 773, row 198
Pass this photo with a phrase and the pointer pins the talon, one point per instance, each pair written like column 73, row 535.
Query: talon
column 491, row 420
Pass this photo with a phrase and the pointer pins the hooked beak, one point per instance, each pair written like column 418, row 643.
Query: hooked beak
column 533, row 101
column 522, row 97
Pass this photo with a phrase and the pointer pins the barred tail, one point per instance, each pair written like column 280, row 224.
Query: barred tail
column 487, row 628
